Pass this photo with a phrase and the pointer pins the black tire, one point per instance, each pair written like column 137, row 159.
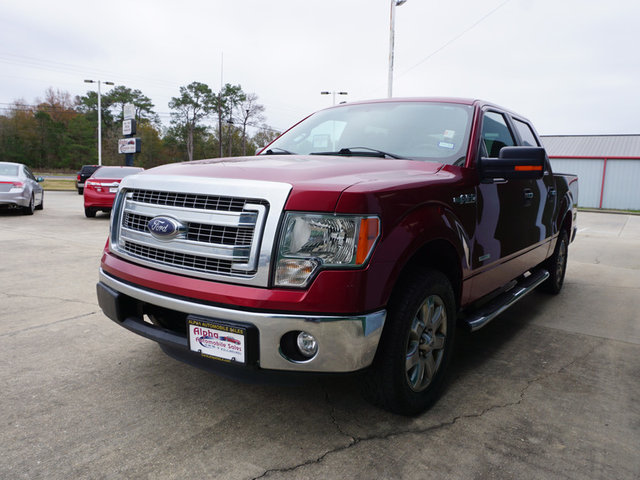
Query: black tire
column 41, row 204
column 410, row 367
column 556, row 265
column 80, row 190
column 89, row 212
column 29, row 209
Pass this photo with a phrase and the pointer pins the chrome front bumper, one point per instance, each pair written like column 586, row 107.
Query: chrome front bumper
column 346, row 343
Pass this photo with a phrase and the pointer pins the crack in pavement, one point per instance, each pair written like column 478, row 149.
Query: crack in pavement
column 333, row 417
column 353, row 441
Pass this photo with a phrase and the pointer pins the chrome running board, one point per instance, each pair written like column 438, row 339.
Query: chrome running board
column 481, row 317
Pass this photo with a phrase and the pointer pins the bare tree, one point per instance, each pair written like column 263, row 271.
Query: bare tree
column 226, row 101
column 250, row 112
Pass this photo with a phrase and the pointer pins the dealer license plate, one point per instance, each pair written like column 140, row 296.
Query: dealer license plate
column 218, row 341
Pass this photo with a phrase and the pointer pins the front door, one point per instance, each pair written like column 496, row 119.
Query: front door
column 506, row 213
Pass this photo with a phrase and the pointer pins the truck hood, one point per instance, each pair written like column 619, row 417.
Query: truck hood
column 317, row 181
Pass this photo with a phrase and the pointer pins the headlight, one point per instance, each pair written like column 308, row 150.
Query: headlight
column 311, row 242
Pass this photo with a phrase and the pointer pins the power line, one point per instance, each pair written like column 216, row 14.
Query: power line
column 471, row 27
column 449, row 42
column 60, row 67
column 75, row 69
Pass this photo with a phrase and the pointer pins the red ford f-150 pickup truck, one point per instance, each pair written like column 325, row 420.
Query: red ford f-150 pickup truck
column 356, row 241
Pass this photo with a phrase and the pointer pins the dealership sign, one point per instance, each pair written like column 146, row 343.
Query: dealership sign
column 129, row 145
column 129, row 127
column 129, row 111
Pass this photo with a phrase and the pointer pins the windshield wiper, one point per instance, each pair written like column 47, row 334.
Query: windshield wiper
column 278, row 151
column 350, row 151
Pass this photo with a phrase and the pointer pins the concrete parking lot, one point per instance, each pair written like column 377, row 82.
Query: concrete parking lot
column 551, row 389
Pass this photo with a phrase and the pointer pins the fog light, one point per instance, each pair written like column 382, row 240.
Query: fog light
column 307, row 344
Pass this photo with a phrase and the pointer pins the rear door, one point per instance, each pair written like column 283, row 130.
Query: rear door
column 544, row 189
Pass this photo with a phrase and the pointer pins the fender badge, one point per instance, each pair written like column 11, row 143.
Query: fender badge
column 465, row 199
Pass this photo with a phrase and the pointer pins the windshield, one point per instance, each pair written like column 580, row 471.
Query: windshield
column 415, row 130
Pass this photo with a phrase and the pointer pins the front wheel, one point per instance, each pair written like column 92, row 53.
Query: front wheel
column 410, row 367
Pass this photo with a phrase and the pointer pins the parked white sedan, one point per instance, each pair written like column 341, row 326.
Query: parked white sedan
column 19, row 188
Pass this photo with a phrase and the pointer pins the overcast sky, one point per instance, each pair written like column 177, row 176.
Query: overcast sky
column 571, row 66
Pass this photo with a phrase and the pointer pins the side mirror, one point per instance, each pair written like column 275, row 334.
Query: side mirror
column 514, row 163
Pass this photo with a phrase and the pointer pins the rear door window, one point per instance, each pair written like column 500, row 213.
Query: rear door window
column 526, row 134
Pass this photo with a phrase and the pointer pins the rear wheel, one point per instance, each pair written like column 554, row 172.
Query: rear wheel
column 41, row 204
column 556, row 264
column 89, row 212
column 28, row 210
column 410, row 367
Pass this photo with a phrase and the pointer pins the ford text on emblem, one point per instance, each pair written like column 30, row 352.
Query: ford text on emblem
column 165, row 228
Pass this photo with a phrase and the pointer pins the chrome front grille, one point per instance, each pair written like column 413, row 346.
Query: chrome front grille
column 216, row 237
column 216, row 232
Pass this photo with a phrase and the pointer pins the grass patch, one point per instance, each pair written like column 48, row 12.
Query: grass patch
column 608, row 210
column 62, row 184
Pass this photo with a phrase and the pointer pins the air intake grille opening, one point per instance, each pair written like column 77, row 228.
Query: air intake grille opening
column 176, row 259
column 190, row 200
column 198, row 232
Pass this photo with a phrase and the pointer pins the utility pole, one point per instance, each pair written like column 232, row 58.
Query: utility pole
column 392, row 27
column 219, row 102
column 99, row 117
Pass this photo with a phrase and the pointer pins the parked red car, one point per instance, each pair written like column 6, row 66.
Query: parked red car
column 101, row 188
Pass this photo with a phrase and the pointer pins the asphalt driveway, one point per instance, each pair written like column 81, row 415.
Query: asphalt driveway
column 551, row 389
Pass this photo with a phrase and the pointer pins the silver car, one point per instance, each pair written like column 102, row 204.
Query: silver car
column 19, row 188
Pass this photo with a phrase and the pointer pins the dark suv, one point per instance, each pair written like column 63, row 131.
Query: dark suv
column 85, row 172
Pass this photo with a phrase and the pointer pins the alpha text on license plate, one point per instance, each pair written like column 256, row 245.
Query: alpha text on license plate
column 222, row 342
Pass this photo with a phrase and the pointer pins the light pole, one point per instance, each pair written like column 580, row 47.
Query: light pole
column 334, row 94
column 392, row 26
column 99, row 116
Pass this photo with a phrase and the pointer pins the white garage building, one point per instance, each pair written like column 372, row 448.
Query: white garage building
column 608, row 167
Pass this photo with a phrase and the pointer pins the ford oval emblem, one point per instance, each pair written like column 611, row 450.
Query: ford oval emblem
column 165, row 228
